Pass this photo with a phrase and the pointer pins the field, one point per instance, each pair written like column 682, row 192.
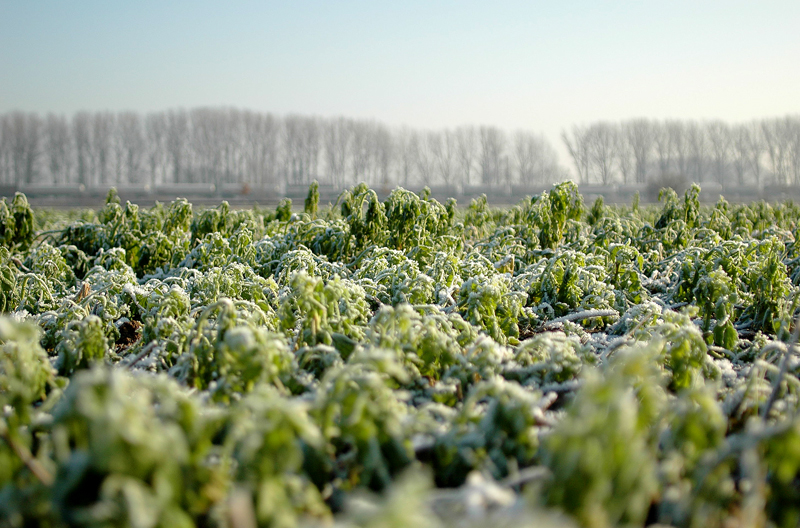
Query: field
column 401, row 362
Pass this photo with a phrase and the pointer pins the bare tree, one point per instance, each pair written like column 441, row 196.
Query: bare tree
column 740, row 151
column 548, row 167
column 775, row 140
column 405, row 141
column 34, row 147
column 301, row 148
column 118, row 157
column 156, row 131
column 578, row 148
column 466, row 141
column 384, row 153
column 423, row 158
column 679, row 146
column 524, row 157
column 372, row 172
column 782, row 138
column 25, row 146
column 311, row 146
column 232, row 155
column 5, row 148
column 270, row 128
column 103, row 124
column 719, row 139
column 442, row 146
column 292, row 149
column 793, row 133
column 81, row 134
column 756, row 149
column 207, row 145
column 492, row 160
column 624, row 156
column 698, row 144
column 131, row 138
column 663, row 147
column 337, row 147
column 177, row 136
column 602, row 142
column 639, row 133
column 260, row 148
column 58, row 149
column 534, row 159
column 359, row 151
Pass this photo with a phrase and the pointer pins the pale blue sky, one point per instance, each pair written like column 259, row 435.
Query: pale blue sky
column 533, row 65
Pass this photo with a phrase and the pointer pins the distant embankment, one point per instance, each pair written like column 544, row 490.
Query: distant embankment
column 68, row 196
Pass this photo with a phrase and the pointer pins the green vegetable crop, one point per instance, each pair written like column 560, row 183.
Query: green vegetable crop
column 401, row 362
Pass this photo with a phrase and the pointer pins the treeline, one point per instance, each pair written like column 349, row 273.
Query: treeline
column 756, row 153
column 229, row 146
column 224, row 146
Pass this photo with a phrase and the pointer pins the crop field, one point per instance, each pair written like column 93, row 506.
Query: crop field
column 401, row 363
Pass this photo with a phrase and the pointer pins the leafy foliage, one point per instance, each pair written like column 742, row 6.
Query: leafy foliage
column 541, row 365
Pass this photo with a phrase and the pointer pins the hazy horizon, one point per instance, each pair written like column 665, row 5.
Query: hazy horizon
column 513, row 65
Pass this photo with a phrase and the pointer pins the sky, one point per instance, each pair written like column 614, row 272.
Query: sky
column 539, row 66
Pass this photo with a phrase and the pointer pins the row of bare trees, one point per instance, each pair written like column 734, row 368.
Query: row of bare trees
column 229, row 146
column 756, row 153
